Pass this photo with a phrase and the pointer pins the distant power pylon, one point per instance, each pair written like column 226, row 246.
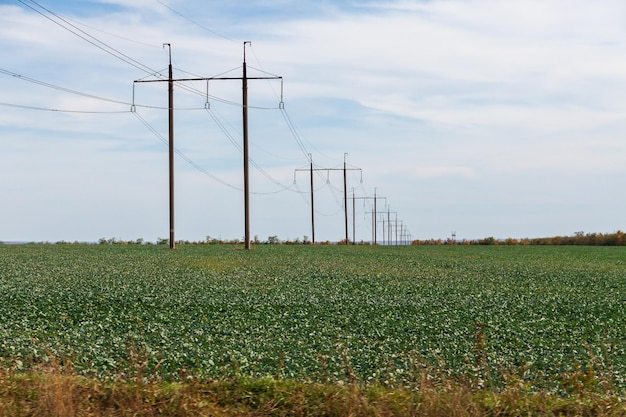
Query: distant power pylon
column 345, row 169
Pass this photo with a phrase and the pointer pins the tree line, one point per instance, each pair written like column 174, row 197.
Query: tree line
column 579, row 239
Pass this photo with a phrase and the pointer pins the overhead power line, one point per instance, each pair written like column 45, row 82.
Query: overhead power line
column 70, row 27
column 59, row 88
column 112, row 34
column 203, row 170
column 93, row 96
column 196, row 23
column 182, row 155
column 19, row 106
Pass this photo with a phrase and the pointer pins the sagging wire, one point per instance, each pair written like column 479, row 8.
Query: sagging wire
column 182, row 155
column 59, row 88
column 57, row 19
column 19, row 106
column 236, row 144
column 196, row 23
column 294, row 133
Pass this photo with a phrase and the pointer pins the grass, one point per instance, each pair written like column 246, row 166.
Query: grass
column 53, row 393
column 107, row 330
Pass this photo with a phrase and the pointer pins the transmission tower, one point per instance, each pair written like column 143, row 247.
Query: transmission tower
column 246, row 172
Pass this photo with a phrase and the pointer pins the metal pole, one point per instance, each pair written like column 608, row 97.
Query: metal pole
column 389, row 225
column 246, row 172
column 170, row 84
column 353, row 218
column 375, row 225
column 345, row 196
column 382, row 218
column 312, row 204
column 396, row 229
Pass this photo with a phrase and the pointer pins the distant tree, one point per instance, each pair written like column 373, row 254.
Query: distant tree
column 487, row 241
column 273, row 240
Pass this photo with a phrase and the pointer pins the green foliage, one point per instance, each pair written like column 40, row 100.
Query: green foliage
column 273, row 240
column 579, row 239
column 493, row 315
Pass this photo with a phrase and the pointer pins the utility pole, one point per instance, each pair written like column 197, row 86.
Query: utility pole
column 345, row 191
column 345, row 196
column 246, row 167
column 170, row 90
column 396, row 229
column 390, row 226
column 170, row 108
column 374, row 224
column 373, row 213
column 246, row 174
column 310, row 170
column 382, row 220
column 312, row 203
column 353, row 218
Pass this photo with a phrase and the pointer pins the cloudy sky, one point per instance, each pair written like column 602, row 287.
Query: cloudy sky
column 482, row 117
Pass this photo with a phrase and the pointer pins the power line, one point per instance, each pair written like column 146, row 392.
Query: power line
column 70, row 27
column 298, row 137
column 204, row 170
column 182, row 155
column 19, row 106
column 75, row 30
column 59, row 88
column 236, row 144
column 80, row 93
column 196, row 23
column 112, row 34
column 294, row 132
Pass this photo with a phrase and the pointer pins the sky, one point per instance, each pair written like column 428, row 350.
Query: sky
column 475, row 118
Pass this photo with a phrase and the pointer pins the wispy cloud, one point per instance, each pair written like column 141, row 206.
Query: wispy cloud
column 439, row 95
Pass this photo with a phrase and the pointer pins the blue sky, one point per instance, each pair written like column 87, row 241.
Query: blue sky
column 483, row 117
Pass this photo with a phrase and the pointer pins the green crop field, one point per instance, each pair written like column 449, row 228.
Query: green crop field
column 318, row 313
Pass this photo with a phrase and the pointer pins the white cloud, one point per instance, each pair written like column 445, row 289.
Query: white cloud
column 446, row 93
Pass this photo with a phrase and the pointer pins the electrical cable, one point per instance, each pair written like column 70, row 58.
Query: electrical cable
column 56, row 87
column 88, row 95
column 203, row 170
column 182, row 155
column 294, row 133
column 196, row 23
column 319, row 187
column 301, row 138
column 19, row 106
column 339, row 210
column 240, row 149
column 67, row 25
column 302, row 194
column 112, row 34
column 86, row 36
